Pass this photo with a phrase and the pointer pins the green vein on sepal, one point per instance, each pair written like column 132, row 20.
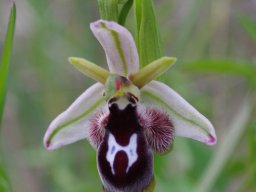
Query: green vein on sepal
column 76, row 119
column 167, row 106
column 118, row 45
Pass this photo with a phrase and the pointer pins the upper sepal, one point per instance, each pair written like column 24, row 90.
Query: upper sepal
column 73, row 124
column 119, row 46
column 187, row 121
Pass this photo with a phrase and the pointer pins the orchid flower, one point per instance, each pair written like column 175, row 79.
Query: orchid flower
column 126, row 115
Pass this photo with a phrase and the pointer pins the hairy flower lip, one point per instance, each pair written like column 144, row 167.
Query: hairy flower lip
column 122, row 58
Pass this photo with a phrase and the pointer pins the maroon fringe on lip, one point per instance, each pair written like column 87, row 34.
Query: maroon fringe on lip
column 159, row 129
column 98, row 123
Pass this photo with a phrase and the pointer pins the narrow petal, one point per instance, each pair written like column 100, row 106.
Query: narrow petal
column 152, row 71
column 73, row 124
column 187, row 121
column 119, row 46
column 90, row 69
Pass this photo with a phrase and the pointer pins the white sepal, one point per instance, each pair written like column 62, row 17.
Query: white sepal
column 187, row 121
column 119, row 47
column 73, row 125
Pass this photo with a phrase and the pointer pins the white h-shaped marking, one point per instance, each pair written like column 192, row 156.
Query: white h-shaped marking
column 130, row 150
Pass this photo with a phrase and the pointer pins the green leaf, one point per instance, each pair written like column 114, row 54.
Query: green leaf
column 108, row 9
column 6, row 58
column 4, row 181
column 124, row 12
column 224, row 66
column 148, row 36
column 249, row 25
column 122, row 1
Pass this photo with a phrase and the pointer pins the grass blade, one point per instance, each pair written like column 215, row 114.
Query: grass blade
column 223, row 66
column 4, row 181
column 6, row 58
column 249, row 26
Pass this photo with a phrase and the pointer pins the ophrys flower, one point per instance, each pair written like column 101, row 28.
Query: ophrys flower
column 126, row 115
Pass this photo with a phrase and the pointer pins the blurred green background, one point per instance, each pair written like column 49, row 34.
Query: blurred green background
column 215, row 42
